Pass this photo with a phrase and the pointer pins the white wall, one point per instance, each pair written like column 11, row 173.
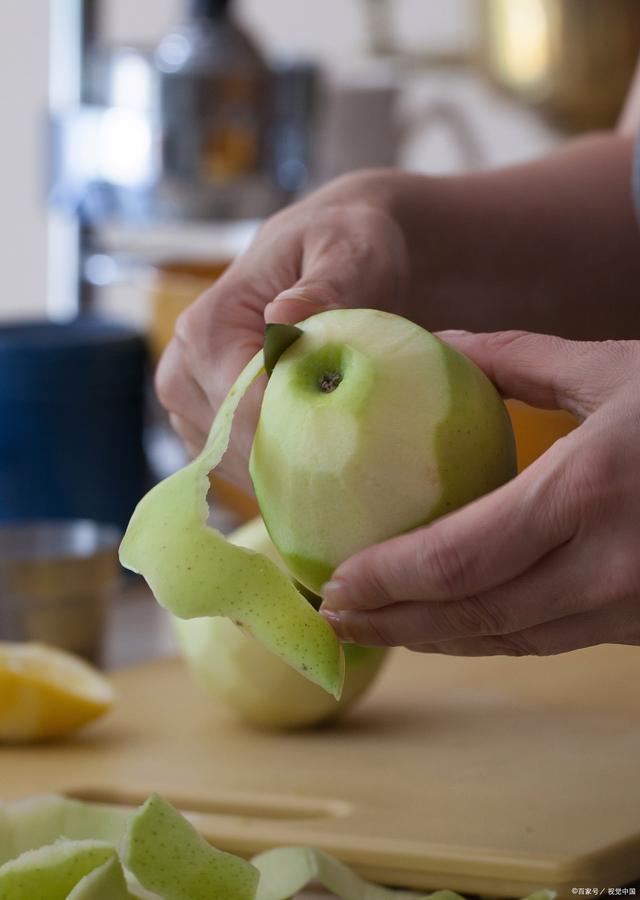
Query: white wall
column 23, row 98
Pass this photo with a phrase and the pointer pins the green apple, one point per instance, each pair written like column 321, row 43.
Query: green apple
column 371, row 426
column 257, row 684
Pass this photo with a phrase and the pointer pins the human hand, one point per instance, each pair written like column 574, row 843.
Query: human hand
column 547, row 563
column 337, row 248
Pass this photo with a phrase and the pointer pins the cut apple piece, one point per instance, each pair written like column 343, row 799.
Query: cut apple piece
column 168, row 856
column 193, row 571
column 51, row 873
column 107, row 882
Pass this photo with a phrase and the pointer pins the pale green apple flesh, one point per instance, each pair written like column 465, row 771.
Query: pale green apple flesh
column 371, row 426
column 244, row 675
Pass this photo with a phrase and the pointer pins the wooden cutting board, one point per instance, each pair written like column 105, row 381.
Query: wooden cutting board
column 493, row 776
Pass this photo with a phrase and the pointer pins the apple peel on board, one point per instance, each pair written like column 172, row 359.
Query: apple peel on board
column 161, row 856
column 51, row 872
column 193, row 571
column 287, row 870
column 107, row 882
column 169, row 857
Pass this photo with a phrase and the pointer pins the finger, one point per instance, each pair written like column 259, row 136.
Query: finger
column 179, row 392
column 350, row 258
column 607, row 626
column 189, row 434
column 547, row 371
column 559, row 585
column 301, row 302
column 478, row 547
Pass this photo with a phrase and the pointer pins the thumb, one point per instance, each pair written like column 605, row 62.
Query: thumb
column 544, row 370
column 304, row 299
column 350, row 258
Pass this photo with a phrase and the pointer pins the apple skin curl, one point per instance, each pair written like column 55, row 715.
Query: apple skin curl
column 545, row 564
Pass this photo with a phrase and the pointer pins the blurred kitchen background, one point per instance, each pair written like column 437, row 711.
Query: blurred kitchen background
column 142, row 144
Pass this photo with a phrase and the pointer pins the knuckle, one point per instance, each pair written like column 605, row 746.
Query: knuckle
column 612, row 362
column 525, row 343
column 516, row 644
column 478, row 616
column 623, row 576
column 442, row 565
column 373, row 590
column 362, row 239
column 375, row 631
column 594, row 475
column 550, row 507
column 188, row 327
column 165, row 383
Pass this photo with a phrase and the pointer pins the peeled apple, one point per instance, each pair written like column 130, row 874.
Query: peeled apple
column 371, row 426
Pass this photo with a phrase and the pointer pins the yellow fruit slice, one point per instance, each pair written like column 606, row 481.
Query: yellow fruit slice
column 46, row 692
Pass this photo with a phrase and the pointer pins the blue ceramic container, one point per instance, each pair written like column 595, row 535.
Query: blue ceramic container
column 71, row 420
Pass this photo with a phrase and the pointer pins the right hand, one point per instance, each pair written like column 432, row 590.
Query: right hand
column 337, row 248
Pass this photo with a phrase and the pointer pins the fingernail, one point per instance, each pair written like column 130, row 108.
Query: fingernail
column 453, row 332
column 336, row 619
column 332, row 615
column 294, row 294
column 332, row 594
column 278, row 311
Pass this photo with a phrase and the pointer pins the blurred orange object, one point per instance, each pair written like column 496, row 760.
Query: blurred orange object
column 244, row 507
column 176, row 285
column 537, row 429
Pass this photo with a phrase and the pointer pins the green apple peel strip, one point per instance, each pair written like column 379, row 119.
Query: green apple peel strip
column 51, row 872
column 161, row 857
column 107, row 882
column 287, row 870
column 168, row 856
column 193, row 571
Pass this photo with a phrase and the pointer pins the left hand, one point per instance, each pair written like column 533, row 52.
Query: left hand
column 547, row 563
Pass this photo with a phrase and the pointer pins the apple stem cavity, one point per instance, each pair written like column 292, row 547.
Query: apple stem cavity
column 329, row 381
